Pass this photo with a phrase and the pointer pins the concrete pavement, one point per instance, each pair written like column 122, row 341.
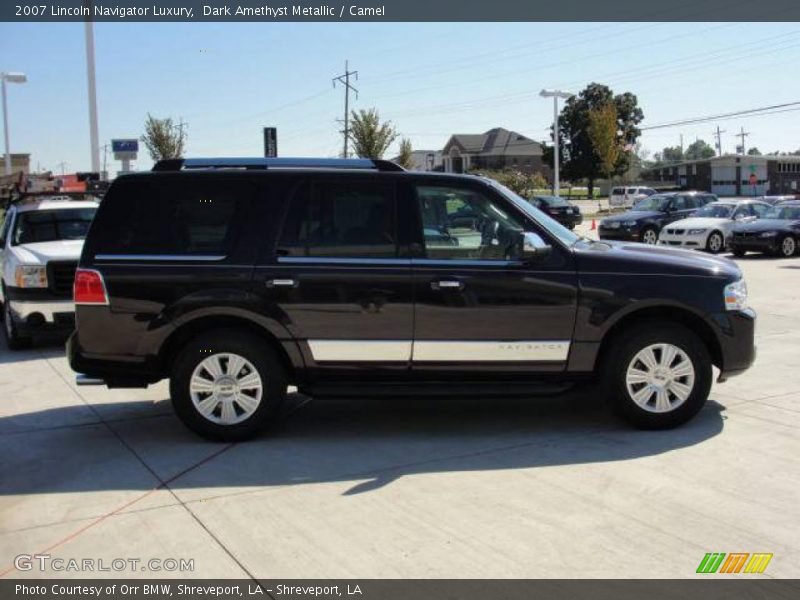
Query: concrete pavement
column 547, row 487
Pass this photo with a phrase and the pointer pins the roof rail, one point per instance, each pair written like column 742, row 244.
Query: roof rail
column 182, row 164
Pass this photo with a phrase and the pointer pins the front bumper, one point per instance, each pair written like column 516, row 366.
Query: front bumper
column 697, row 242
column 736, row 336
column 623, row 234
column 31, row 316
column 754, row 244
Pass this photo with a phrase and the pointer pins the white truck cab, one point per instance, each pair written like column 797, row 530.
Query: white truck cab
column 41, row 239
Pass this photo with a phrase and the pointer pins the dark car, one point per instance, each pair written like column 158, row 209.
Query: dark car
column 643, row 223
column 777, row 232
column 235, row 278
column 559, row 209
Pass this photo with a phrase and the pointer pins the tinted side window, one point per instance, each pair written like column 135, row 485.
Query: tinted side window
column 177, row 218
column 760, row 209
column 680, row 203
column 341, row 220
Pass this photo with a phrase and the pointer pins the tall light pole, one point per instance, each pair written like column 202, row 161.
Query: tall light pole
column 94, row 139
column 11, row 78
column 555, row 95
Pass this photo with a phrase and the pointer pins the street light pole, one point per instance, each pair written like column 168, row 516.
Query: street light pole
column 90, row 75
column 13, row 78
column 555, row 95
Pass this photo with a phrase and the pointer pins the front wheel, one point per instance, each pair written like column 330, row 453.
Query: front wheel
column 227, row 385
column 650, row 236
column 715, row 243
column 658, row 376
column 14, row 340
column 787, row 246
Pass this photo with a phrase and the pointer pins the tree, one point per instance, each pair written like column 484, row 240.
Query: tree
column 670, row 154
column 404, row 159
column 164, row 138
column 580, row 161
column 754, row 152
column 603, row 133
column 370, row 137
column 699, row 150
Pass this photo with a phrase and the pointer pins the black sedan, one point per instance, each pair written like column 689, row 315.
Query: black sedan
column 777, row 232
column 644, row 221
column 559, row 209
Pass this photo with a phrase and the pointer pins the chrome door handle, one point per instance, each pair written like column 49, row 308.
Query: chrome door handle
column 282, row 283
column 447, row 284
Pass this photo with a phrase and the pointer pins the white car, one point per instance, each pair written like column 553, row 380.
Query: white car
column 710, row 227
column 40, row 243
column 628, row 196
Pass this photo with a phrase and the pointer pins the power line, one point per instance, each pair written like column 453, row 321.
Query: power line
column 344, row 79
column 737, row 113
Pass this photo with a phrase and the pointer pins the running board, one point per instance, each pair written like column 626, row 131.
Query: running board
column 440, row 389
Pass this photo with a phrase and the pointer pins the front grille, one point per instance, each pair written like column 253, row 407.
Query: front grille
column 745, row 235
column 676, row 231
column 60, row 276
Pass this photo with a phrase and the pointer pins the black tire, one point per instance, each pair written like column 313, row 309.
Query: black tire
column 252, row 349
column 716, row 245
column 14, row 340
column 646, row 234
column 787, row 246
column 738, row 252
column 620, row 356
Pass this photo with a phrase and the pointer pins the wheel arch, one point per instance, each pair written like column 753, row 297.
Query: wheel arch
column 660, row 315
column 282, row 343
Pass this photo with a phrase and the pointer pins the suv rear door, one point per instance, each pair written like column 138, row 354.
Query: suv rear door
column 340, row 277
column 477, row 308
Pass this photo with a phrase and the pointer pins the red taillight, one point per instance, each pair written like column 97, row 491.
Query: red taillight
column 89, row 287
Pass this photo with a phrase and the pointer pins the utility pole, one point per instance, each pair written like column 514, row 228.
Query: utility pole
column 344, row 79
column 104, row 174
column 681, row 145
column 718, row 135
column 62, row 165
column 743, row 135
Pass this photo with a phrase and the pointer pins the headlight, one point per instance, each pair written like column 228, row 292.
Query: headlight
column 736, row 295
column 629, row 223
column 31, row 277
column 696, row 231
column 769, row 234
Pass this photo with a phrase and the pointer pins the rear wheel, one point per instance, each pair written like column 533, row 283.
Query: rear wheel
column 715, row 242
column 650, row 236
column 227, row 385
column 14, row 340
column 658, row 376
column 787, row 246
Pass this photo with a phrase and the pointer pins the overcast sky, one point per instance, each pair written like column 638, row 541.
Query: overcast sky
column 229, row 80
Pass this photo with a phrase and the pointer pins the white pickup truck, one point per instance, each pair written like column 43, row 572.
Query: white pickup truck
column 40, row 243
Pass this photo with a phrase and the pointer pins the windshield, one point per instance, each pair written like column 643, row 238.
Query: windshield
column 658, row 203
column 552, row 226
column 552, row 200
column 52, row 225
column 719, row 211
column 790, row 213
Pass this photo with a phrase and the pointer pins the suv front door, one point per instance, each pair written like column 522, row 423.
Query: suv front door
column 338, row 278
column 478, row 308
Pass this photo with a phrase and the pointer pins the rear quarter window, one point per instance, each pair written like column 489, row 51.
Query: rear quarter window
column 181, row 218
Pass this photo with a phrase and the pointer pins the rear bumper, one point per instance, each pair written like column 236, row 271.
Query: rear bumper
column 112, row 373
column 623, row 235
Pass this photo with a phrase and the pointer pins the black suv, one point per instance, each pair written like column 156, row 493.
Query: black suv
column 644, row 221
column 237, row 277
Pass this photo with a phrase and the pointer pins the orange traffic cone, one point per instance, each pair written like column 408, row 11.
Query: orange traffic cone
column 594, row 225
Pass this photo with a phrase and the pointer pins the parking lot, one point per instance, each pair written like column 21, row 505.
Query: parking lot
column 542, row 487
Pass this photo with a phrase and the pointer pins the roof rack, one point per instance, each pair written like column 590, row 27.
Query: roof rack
column 182, row 164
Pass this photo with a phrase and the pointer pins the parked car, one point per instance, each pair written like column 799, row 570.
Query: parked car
column 559, row 209
column 643, row 223
column 773, row 200
column 777, row 232
column 709, row 228
column 40, row 242
column 628, row 196
column 235, row 278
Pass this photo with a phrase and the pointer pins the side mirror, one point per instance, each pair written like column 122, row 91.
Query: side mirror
column 533, row 247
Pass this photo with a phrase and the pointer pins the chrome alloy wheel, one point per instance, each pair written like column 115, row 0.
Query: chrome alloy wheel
column 715, row 242
column 226, row 388
column 660, row 378
column 788, row 246
column 650, row 236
